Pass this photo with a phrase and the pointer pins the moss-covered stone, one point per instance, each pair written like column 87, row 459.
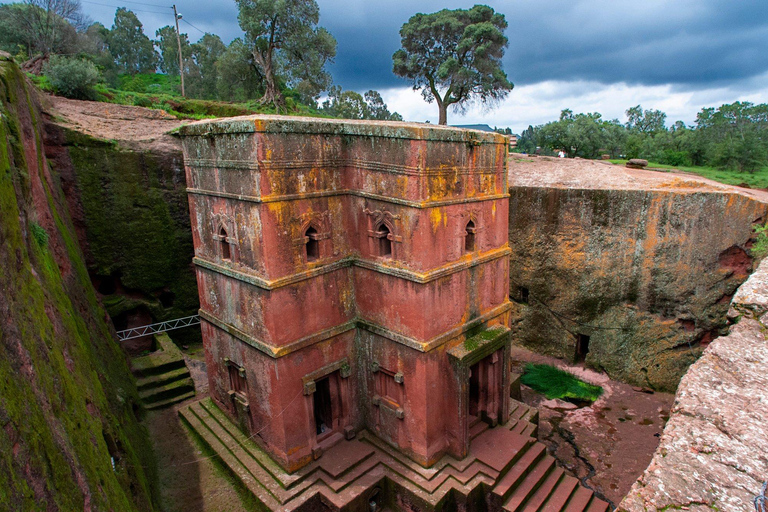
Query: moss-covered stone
column 69, row 438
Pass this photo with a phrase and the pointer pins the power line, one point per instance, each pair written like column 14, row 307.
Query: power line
column 119, row 6
column 194, row 27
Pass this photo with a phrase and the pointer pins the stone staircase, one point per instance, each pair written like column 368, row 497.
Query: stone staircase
column 162, row 376
column 506, row 469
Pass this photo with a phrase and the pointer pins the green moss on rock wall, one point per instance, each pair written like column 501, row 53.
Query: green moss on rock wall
column 69, row 439
column 136, row 219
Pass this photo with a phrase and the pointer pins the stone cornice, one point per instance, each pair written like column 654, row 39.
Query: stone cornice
column 359, row 193
column 284, row 350
column 402, row 273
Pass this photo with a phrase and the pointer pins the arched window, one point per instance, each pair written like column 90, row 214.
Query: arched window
column 469, row 237
column 226, row 251
column 312, row 244
column 385, row 244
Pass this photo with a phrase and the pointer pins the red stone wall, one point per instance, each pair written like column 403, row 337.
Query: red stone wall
column 379, row 325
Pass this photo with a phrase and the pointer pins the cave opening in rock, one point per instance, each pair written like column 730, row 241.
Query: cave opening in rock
column 582, row 347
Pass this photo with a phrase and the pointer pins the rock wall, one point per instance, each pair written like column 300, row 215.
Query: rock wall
column 69, row 439
column 130, row 208
column 646, row 275
column 713, row 452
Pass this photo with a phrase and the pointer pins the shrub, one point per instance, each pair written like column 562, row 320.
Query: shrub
column 556, row 383
column 759, row 249
column 39, row 234
column 72, row 77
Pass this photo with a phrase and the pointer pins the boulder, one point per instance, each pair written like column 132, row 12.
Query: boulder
column 637, row 163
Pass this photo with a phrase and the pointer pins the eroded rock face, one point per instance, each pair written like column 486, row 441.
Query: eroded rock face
column 712, row 455
column 638, row 281
column 69, row 437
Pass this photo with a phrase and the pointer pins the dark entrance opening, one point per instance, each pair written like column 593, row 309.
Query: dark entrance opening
column 474, row 390
column 582, row 347
column 226, row 253
column 385, row 244
column 313, row 245
column 469, row 237
column 322, row 406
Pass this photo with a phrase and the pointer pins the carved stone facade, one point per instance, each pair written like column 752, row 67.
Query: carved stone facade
column 342, row 266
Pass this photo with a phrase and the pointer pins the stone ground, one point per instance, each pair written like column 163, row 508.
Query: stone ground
column 607, row 445
column 544, row 171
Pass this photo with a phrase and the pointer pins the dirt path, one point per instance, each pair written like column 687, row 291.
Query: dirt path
column 607, row 445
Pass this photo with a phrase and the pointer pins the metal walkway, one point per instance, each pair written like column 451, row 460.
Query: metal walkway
column 146, row 330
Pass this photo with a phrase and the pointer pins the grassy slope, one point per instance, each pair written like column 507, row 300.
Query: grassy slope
column 66, row 392
column 757, row 179
column 161, row 92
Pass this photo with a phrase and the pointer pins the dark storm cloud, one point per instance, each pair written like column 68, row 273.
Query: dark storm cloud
column 688, row 43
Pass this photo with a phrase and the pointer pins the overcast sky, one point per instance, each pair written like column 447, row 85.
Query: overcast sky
column 586, row 55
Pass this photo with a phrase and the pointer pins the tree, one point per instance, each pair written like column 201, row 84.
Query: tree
column 645, row 121
column 287, row 44
column 203, row 74
column 454, row 57
column 238, row 75
column 48, row 26
column 352, row 105
column 735, row 135
column 377, row 109
column 132, row 49
column 169, row 49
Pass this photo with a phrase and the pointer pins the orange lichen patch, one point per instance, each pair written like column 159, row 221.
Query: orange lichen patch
column 681, row 183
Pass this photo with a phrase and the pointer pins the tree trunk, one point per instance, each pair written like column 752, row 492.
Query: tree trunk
column 272, row 93
column 443, row 113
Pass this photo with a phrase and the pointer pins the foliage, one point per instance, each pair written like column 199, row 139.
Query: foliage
column 203, row 72
column 169, row 49
column 454, row 57
column 238, row 75
column 351, row 105
column 72, row 77
column 556, row 383
column 39, row 234
column 731, row 138
column 42, row 26
column 132, row 49
column 287, row 45
column 760, row 248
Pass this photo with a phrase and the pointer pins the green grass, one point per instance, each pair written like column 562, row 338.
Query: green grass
column 555, row 383
column 757, row 179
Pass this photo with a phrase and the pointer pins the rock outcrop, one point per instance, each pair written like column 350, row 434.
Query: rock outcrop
column 125, row 183
column 633, row 272
column 69, row 439
column 713, row 453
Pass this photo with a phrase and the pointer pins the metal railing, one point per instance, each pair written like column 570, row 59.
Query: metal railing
column 146, row 330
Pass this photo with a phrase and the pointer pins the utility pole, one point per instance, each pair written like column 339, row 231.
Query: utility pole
column 177, row 17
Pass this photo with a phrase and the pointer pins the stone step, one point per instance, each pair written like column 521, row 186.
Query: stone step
column 157, row 366
column 522, row 467
column 544, row 491
column 153, row 381
column 597, row 505
column 579, row 500
column 478, row 429
column 162, row 404
column 228, row 458
column 525, row 489
column 559, row 498
column 171, row 390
